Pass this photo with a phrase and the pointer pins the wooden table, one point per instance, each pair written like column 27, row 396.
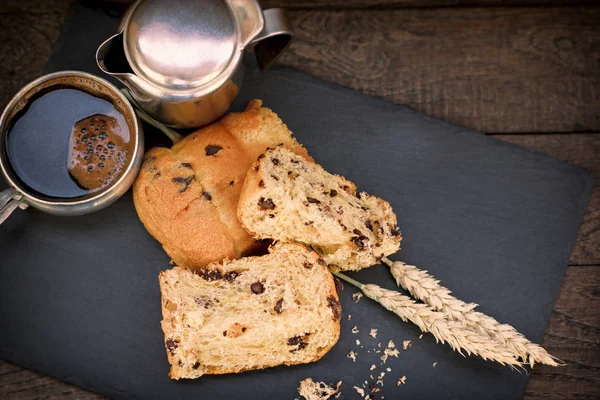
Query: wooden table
column 526, row 72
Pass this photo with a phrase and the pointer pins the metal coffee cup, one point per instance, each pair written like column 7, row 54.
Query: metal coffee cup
column 18, row 195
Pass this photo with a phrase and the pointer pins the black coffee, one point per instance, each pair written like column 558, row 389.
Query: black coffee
column 69, row 139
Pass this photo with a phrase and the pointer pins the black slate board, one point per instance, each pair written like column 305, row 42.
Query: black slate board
column 79, row 297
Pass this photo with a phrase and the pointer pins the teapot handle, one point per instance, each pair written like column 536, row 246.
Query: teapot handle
column 274, row 38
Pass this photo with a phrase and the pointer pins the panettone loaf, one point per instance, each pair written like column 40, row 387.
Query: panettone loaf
column 252, row 313
column 287, row 198
column 186, row 196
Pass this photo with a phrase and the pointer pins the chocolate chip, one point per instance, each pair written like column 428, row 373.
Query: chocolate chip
column 260, row 157
column 335, row 306
column 368, row 224
column 278, row 306
column 207, row 196
column 204, row 301
column 275, row 161
column 271, row 215
column 244, row 329
column 230, row 276
column 231, row 183
column 308, row 265
column 196, row 365
column 212, row 149
column 360, row 241
column 211, row 275
column 357, row 232
column 257, row 288
column 186, row 165
column 257, row 168
column 224, row 333
column 266, row 204
column 396, row 231
column 312, row 200
column 261, row 183
column 333, row 193
column 180, row 363
column 339, row 286
column 297, row 341
column 172, row 345
column 358, row 195
column 345, row 187
column 183, row 180
column 307, row 223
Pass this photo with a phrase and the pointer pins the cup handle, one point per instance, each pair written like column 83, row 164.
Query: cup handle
column 10, row 200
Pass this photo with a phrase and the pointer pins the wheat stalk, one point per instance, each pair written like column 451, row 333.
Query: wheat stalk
column 425, row 287
column 438, row 324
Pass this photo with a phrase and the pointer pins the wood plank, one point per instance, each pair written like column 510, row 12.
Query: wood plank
column 492, row 69
column 387, row 4
column 21, row 384
column 26, row 41
column 573, row 335
column 581, row 150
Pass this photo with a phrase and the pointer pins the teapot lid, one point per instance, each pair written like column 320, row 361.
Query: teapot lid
column 181, row 44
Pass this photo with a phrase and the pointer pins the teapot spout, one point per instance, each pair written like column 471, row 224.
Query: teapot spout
column 111, row 58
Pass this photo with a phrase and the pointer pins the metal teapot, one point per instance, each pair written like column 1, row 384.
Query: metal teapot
column 183, row 60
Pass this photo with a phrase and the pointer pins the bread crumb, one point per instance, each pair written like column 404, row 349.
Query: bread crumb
column 349, row 317
column 389, row 351
column 357, row 296
column 388, row 369
column 406, row 345
column 434, row 364
column 371, row 376
column 381, row 375
column 373, row 332
column 355, row 329
column 360, row 391
column 372, row 367
column 337, row 396
column 352, row 355
column 379, row 345
column 401, row 381
column 421, row 336
column 375, row 390
column 311, row 390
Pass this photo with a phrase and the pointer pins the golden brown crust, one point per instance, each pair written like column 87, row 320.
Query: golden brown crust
column 186, row 196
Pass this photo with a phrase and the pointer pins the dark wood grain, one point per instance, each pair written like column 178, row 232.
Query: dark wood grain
column 492, row 69
column 26, row 41
column 496, row 69
column 573, row 335
column 390, row 4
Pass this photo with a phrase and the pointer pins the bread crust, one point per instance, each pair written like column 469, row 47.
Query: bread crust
column 320, row 273
column 186, row 196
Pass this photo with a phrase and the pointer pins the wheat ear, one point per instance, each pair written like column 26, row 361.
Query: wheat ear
column 425, row 287
column 437, row 323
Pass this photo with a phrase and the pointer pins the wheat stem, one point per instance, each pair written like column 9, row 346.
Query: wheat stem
column 437, row 323
column 425, row 287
